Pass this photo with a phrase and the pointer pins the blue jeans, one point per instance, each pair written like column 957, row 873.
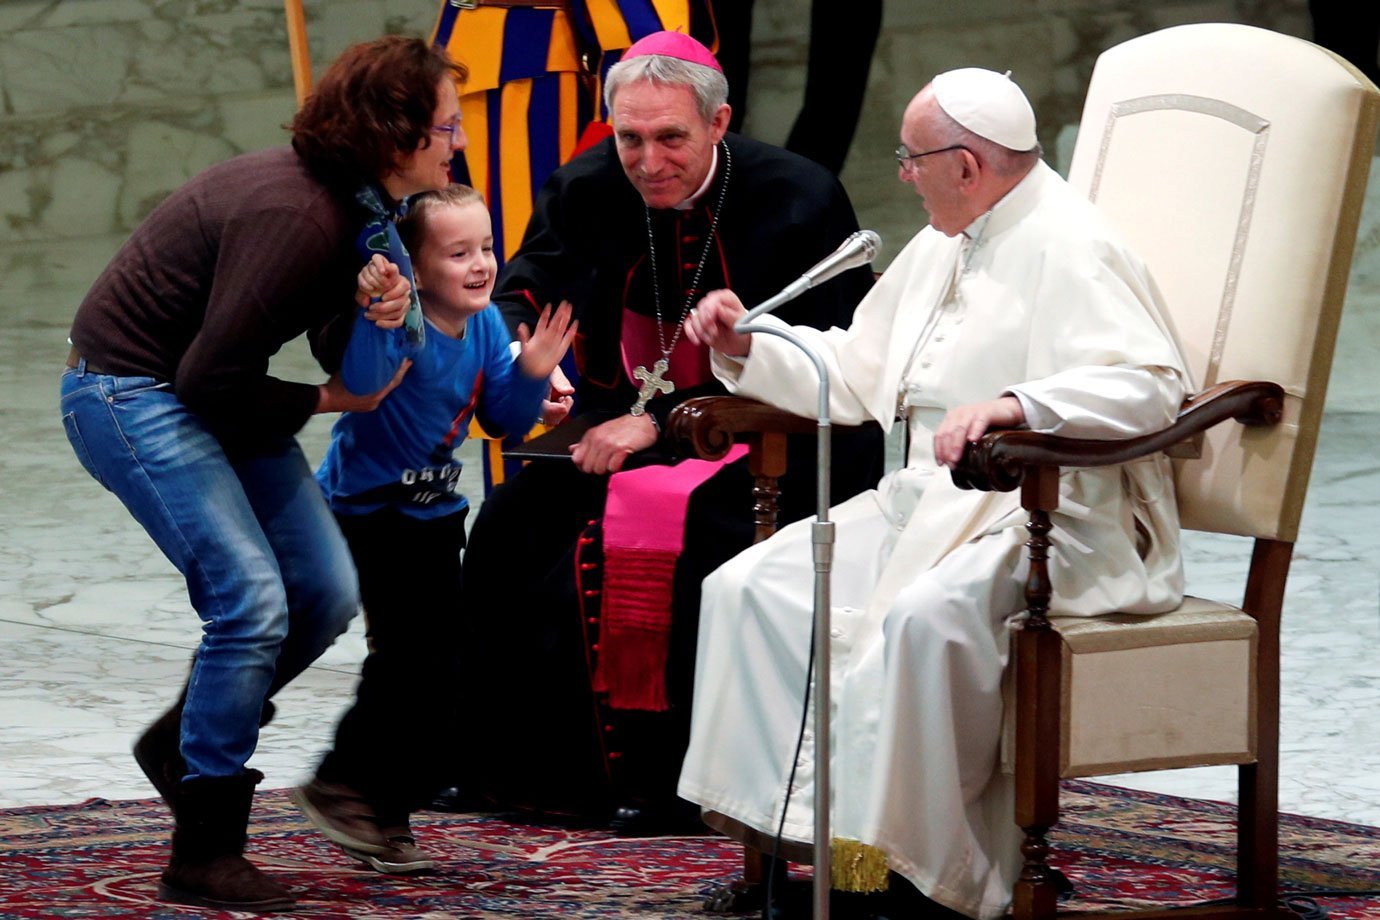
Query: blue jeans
column 266, row 567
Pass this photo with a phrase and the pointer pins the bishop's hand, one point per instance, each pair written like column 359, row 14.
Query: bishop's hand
column 711, row 324
column 605, row 447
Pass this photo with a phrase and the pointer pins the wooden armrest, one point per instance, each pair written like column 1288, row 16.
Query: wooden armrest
column 997, row 462
column 707, row 425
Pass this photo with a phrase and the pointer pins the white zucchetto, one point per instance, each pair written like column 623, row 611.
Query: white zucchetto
column 989, row 104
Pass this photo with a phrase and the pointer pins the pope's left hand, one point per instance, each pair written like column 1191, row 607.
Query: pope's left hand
column 968, row 423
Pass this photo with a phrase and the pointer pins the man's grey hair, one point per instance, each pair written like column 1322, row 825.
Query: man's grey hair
column 709, row 86
column 1003, row 160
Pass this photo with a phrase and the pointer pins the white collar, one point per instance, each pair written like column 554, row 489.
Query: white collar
column 1012, row 206
column 689, row 203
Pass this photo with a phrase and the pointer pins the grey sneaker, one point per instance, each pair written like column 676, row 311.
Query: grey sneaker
column 403, row 856
column 342, row 815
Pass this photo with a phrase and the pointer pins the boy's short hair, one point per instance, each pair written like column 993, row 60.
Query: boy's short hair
column 412, row 226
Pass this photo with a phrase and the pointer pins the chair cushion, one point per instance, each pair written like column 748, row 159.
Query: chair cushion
column 1155, row 692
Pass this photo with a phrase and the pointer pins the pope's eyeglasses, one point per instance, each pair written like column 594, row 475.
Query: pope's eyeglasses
column 907, row 159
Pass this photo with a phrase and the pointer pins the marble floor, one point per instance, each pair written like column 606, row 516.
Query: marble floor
column 96, row 631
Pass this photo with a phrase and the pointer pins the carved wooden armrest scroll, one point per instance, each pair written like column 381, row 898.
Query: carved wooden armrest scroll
column 707, row 426
column 999, row 460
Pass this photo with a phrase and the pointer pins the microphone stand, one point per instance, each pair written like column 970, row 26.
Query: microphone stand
column 822, row 540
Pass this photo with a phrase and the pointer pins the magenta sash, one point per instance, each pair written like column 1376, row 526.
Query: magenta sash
column 644, row 533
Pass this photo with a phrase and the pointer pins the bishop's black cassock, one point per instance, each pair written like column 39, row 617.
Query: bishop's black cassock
column 536, row 734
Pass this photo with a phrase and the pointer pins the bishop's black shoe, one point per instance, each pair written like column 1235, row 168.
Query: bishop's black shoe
column 458, row 799
column 677, row 818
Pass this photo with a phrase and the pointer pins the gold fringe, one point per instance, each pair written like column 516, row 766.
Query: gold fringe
column 856, row 866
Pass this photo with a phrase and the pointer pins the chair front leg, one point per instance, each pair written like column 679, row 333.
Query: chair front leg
column 1038, row 661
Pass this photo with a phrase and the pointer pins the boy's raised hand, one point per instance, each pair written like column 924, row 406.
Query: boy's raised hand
column 382, row 288
column 543, row 349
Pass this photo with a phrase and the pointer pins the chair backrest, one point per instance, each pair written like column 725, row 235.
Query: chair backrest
column 1234, row 160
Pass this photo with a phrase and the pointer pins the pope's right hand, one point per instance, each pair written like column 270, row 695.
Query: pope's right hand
column 711, row 322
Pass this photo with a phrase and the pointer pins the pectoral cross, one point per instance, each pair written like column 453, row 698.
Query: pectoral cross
column 652, row 381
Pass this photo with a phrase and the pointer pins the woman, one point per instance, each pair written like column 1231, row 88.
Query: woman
column 168, row 403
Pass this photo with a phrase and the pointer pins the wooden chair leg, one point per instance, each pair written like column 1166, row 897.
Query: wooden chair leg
column 1258, row 785
column 755, row 864
column 1037, row 778
column 1038, row 662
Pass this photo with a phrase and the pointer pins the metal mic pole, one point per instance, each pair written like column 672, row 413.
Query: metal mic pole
column 822, row 540
column 859, row 249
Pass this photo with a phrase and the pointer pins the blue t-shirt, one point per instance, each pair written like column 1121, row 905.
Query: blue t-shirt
column 402, row 454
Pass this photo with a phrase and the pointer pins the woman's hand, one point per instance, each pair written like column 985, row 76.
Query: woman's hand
column 333, row 397
column 384, row 292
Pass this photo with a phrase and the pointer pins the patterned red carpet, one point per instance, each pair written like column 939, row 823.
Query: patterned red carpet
column 101, row 860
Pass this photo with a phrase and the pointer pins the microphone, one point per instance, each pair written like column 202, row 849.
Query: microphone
column 859, row 249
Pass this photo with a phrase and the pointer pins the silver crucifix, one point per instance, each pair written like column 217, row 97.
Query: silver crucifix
column 652, row 381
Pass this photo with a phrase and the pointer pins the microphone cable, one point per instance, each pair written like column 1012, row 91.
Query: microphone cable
column 1305, row 904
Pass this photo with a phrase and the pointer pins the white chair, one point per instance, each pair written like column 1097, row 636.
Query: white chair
column 1235, row 160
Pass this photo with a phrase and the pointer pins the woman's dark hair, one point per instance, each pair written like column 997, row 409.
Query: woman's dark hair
column 373, row 105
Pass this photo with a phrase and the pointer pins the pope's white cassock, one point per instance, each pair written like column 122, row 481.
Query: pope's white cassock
column 1038, row 298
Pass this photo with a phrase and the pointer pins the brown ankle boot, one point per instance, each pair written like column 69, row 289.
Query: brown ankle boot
column 208, row 868
column 158, row 750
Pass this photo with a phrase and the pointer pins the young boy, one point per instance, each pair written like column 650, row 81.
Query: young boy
column 390, row 477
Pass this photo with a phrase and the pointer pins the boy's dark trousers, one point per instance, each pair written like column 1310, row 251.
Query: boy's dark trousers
column 397, row 743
